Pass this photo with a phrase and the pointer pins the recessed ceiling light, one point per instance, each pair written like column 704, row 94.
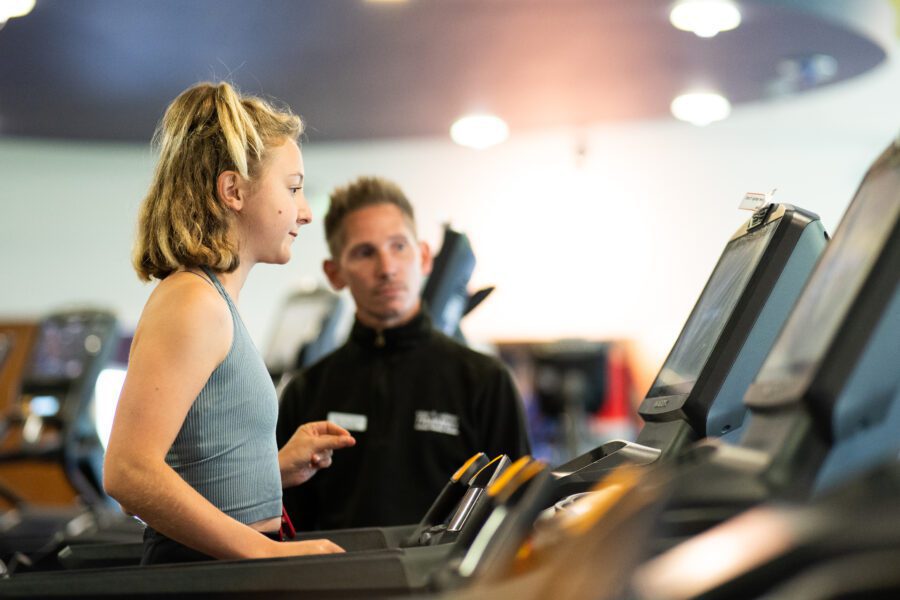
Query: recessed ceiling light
column 10, row 9
column 705, row 18
column 701, row 108
column 479, row 131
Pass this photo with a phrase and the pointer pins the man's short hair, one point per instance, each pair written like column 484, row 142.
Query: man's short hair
column 363, row 192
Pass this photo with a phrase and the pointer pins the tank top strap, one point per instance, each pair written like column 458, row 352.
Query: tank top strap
column 219, row 286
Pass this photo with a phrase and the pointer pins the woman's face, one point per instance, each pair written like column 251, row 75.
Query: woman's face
column 275, row 207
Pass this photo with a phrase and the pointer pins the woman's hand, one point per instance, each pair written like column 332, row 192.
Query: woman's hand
column 310, row 449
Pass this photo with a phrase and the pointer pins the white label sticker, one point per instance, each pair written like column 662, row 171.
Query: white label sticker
column 753, row 201
column 349, row 421
column 431, row 420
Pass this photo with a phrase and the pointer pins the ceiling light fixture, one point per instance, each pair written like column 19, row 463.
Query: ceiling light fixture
column 479, row 131
column 705, row 18
column 10, row 9
column 701, row 108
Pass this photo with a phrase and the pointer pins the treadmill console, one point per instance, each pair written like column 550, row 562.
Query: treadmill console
column 706, row 322
column 844, row 269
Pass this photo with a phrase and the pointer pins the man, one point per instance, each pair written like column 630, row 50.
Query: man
column 418, row 403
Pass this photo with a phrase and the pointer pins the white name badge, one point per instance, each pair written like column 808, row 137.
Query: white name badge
column 349, row 421
column 438, row 422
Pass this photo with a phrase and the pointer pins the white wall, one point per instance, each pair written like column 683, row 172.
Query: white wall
column 617, row 243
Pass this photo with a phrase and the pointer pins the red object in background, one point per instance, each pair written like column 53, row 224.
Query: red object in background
column 617, row 406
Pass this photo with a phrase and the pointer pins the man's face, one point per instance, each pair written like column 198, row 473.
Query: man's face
column 383, row 265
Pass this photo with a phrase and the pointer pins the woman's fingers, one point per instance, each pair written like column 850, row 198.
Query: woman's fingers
column 327, row 443
column 326, row 428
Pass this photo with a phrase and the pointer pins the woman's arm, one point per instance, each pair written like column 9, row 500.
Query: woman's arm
column 184, row 333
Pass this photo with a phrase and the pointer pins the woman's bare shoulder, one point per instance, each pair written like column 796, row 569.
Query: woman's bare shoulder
column 186, row 306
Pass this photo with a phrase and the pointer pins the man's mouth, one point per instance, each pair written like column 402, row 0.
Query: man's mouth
column 389, row 290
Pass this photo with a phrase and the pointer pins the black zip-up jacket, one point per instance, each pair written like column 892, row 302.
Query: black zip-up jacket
column 418, row 403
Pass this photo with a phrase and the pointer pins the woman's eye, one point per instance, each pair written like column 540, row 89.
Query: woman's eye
column 295, row 189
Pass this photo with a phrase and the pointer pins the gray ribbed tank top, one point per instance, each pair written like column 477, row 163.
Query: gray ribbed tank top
column 226, row 449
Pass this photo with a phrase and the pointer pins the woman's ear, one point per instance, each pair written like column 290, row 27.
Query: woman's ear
column 229, row 187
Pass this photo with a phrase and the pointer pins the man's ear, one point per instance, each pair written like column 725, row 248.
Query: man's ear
column 427, row 259
column 230, row 188
column 333, row 273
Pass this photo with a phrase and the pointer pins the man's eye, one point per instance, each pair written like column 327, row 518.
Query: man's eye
column 295, row 189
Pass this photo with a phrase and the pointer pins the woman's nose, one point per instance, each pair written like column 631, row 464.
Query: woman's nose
column 304, row 213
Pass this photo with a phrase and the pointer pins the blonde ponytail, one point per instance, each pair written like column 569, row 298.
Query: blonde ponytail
column 209, row 128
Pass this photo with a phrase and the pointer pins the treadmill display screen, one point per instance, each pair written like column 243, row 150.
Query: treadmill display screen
column 300, row 323
column 6, row 343
column 837, row 278
column 64, row 348
column 704, row 326
column 445, row 290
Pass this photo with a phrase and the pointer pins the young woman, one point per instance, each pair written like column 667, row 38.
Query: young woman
column 192, row 450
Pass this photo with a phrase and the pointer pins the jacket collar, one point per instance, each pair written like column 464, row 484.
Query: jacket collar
column 395, row 338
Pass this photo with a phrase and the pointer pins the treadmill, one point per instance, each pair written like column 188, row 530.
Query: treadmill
column 50, row 423
column 445, row 519
column 836, row 360
column 362, row 574
column 729, row 332
column 842, row 540
column 446, row 296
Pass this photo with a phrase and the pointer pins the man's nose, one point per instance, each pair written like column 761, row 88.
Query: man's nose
column 387, row 266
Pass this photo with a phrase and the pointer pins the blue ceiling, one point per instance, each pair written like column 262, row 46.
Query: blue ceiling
column 106, row 69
